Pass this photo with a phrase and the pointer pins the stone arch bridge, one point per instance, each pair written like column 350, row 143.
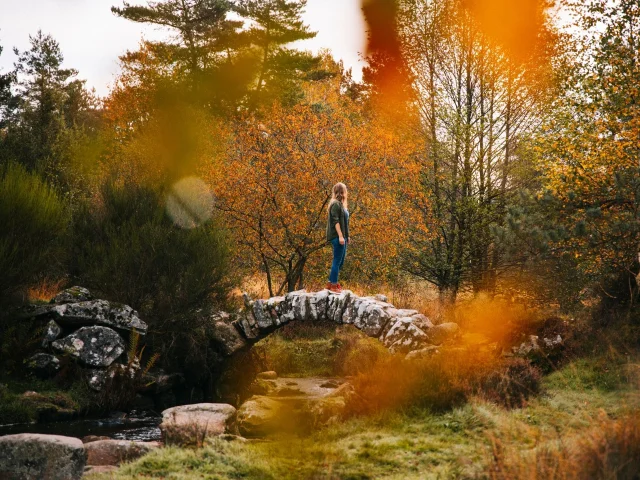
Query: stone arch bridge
column 400, row 330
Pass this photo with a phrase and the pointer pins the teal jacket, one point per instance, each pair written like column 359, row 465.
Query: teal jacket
column 337, row 215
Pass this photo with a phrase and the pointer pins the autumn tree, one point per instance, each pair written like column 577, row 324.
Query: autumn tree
column 478, row 106
column 590, row 149
column 275, row 185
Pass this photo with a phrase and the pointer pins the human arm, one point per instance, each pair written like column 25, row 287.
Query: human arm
column 340, row 236
column 334, row 217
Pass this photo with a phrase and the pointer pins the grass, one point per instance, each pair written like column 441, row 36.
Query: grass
column 319, row 350
column 414, row 444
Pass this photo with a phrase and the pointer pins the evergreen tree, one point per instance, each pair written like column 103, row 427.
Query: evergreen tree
column 49, row 109
column 274, row 25
column 205, row 34
column 7, row 100
column 590, row 150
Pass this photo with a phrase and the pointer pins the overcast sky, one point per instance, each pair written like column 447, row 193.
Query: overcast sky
column 92, row 38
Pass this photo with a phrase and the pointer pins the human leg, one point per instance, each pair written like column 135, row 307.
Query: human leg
column 338, row 259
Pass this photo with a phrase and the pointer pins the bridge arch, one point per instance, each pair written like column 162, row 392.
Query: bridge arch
column 400, row 330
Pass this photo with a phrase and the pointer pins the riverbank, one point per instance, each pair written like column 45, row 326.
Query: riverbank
column 579, row 400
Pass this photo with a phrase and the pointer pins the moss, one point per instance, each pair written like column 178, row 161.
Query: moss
column 46, row 403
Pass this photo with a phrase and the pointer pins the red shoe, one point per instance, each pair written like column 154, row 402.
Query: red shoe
column 334, row 287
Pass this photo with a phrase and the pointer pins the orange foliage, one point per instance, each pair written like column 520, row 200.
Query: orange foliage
column 275, row 184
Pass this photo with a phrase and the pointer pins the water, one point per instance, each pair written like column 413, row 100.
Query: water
column 136, row 426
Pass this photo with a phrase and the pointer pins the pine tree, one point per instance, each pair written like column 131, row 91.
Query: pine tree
column 276, row 24
column 50, row 110
column 202, row 25
column 7, row 100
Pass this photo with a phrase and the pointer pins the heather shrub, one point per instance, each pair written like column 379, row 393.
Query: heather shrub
column 126, row 248
column 438, row 383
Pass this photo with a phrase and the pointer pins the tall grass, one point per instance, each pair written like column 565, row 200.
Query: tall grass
column 34, row 222
column 609, row 450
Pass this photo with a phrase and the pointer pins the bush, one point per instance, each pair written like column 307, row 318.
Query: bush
column 127, row 249
column 512, row 384
column 438, row 383
column 443, row 381
column 34, row 221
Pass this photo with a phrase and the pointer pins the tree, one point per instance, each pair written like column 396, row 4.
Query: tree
column 6, row 97
column 52, row 110
column 477, row 107
column 274, row 25
column 274, row 186
column 590, row 148
column 200, row 24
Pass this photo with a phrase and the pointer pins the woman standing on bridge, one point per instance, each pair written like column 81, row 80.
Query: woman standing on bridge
column 338, row 233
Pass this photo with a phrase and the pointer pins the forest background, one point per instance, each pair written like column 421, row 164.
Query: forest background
column 487, row 151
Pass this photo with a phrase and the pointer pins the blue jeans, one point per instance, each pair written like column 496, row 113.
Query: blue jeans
column 339, row 252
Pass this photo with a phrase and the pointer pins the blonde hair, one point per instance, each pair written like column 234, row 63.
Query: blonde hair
column 339, row 194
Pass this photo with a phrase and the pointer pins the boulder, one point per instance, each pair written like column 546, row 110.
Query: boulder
column 51, row 333
column 422, row 322
column 270, row 375
column 99, row 312
column 337, row 303
column 318, row 304
column 262, row 387
column 260, row 416
column 534, row 347
column 247, row 325
column 346, row 391
column 29, row 456
column 327, row 410
column 368, row 315
column 228, row 338
column 96, row 378
column 443, row 332
column 44, row 365
column 191, row 424
column 403, row 336
column 94, row 438
column 93, row 346
column 72, row 295
column 114, row 452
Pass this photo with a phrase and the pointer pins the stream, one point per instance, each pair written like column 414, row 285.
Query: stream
column 136, row 426
column 145, row 426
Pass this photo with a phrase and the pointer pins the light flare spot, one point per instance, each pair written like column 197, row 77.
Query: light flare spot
column 190, row 202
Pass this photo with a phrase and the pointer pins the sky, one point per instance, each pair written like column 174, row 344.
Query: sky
column 92, row 38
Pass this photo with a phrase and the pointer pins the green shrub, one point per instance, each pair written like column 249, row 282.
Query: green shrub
column 34, row 220
column 126, row 248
